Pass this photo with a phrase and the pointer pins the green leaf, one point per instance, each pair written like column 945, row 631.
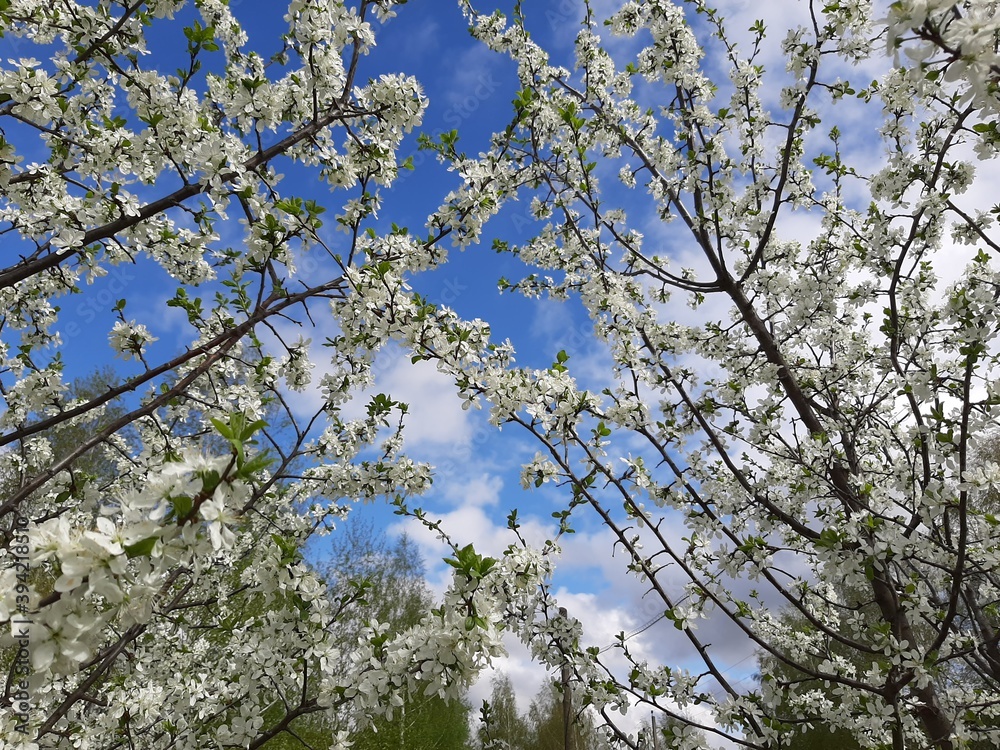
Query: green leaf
column 828, row 538
column 182, row 506
column 256, row 464
column 222, row 428
column 141, row 549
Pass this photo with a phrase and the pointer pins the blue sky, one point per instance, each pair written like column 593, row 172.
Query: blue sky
column 477, row 477
column 477, row 468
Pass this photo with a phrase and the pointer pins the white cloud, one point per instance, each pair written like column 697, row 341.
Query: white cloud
column 435, row 417
column 480, row 490
column 526, row 676
column 435, row 422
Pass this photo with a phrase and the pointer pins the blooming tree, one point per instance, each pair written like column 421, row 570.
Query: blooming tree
column 166, row 603
column 800, row 326
column 803, row 405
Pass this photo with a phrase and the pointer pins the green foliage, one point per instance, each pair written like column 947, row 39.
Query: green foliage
column 239, row 432
column 371, row 579
column 501, row 724
column 96, row 465
column 545, row 718
column 542, row 728
column 387, row 579
column 425, row 723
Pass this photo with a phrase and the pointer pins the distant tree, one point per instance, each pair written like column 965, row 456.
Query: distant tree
column 421, row 723
column 502, row 726
column 371, row 579
column 664, row 732
column 385, row 577
column 385, row 580
column 98, row 464
column 545, row 722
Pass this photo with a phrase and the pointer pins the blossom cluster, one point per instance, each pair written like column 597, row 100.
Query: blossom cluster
column 808, row 409
column 167, row 504
column 803, row 378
